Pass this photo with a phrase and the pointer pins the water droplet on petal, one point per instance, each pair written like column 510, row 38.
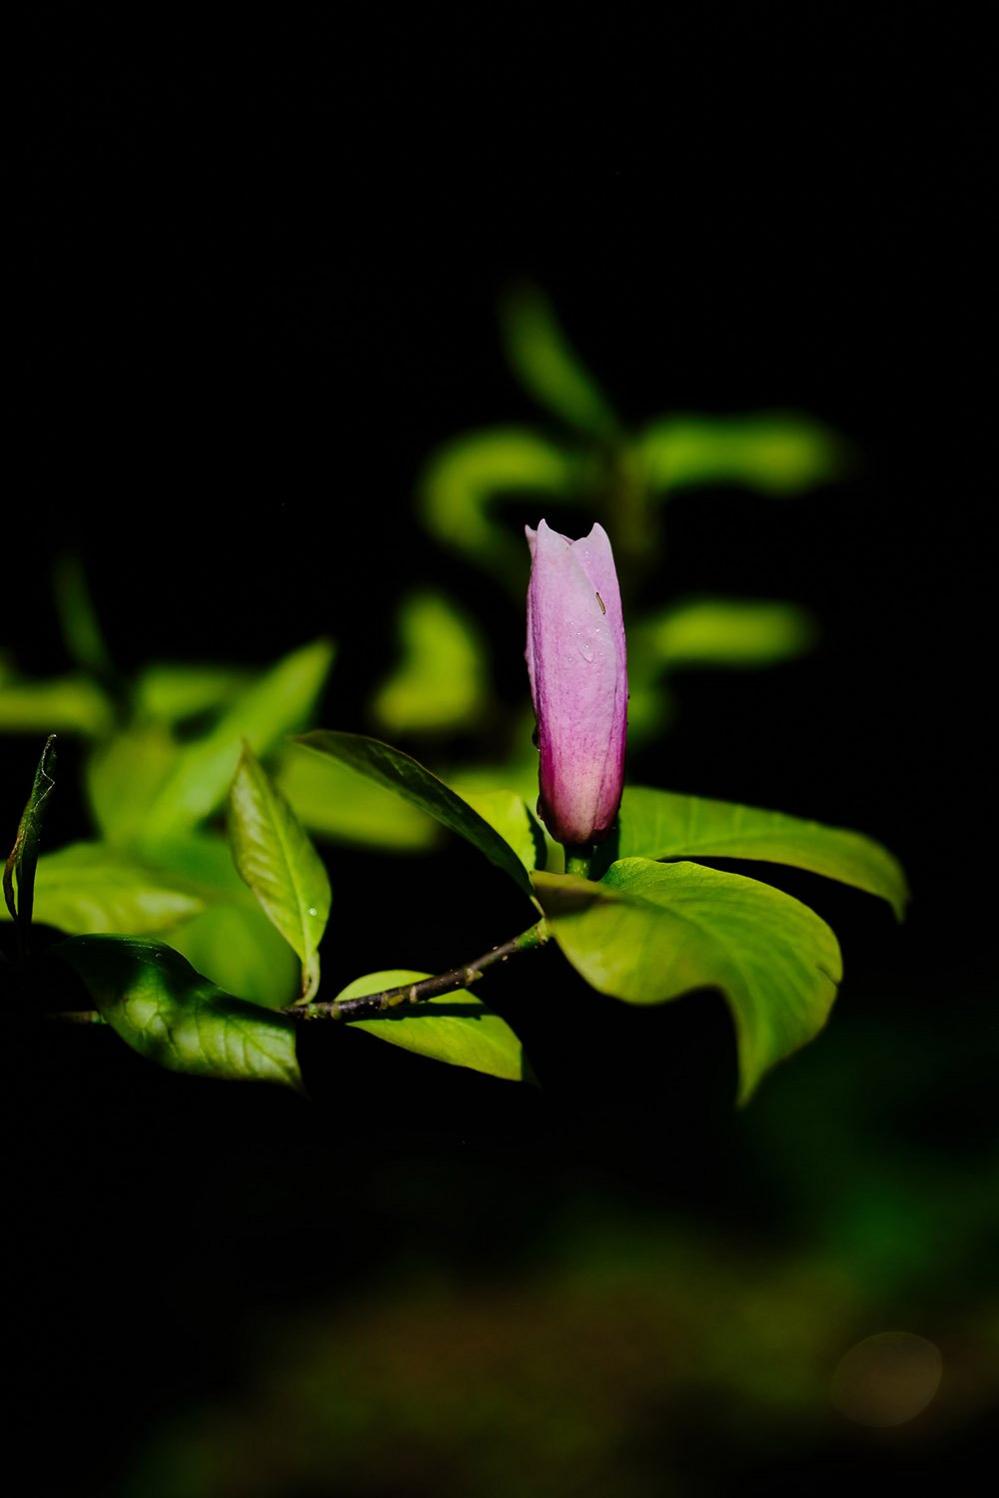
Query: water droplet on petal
column 585, row 649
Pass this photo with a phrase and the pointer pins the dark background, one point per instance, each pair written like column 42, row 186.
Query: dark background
column 252, row 285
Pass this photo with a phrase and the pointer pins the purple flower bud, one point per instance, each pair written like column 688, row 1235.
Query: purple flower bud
column 579, row 681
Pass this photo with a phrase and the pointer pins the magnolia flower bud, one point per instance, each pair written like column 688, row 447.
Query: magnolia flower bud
column 579, row 681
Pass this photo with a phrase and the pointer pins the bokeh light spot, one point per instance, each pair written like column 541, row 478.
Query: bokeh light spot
column 887, row 1379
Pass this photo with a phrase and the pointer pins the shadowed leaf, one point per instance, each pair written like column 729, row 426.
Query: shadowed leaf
column 172, row 1015
column 19, row 869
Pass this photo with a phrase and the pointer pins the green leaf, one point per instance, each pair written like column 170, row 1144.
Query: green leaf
column 663, row 824
column 124, row 775
column 440, row 682
column 335, row 802
column 203, row 860
column 410, row 780
column 776, row 454
column 81, row 630
column 473, row 472
column 173, row 694
column 237, row 948
column 455, row 1027
column 276, row 860
column 510, row 816
column 22, row 860
column 67, row 704
column 172, row 1015
column 650, row 932
column 549, row 367
column 276, row 704
column 91, row 887
column 725, row 632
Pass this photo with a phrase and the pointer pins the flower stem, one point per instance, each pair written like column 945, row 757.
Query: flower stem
column 578, row 860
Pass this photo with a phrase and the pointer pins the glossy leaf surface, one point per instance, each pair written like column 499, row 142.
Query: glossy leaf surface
column 662, row 824
column 276, row 860
column 176, row 1018
column 414, row 783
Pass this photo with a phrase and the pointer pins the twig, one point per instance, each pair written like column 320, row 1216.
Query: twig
column 367, row 1006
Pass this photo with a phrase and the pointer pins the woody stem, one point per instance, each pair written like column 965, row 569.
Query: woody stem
column 367, row 1006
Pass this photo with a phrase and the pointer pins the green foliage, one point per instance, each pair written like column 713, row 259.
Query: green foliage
column 66, row 704
column 510, row 816
column 239, row 950
column 174, row 694
column 203, row 859
column 620, row 477
column 162, row 1008
column 455, row 1028
column 81, row 630
column 276, row 860
column 165, row 749
column 709, row 632
column 724, row 632
column 440, row 682
column 649, row 932
column 400, row 773
column 779, row 454
column 22, row 860
column 470, row 474
column 662, row 824
column 91, row 887
column 333, row 801
column 275, row 704
column 548, row 367
column 123, row 776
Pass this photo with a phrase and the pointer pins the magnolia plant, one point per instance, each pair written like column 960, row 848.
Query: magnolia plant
column 613, row 877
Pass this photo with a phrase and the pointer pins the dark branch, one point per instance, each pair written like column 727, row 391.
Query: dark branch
column 407, row 995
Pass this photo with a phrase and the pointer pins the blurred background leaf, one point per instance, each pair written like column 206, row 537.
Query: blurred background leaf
column 464, row 479
column 546, row 365
column 337, row 803
column 81, row 629
column 123, row 776
column 173, row 694
column 779, row 454
column 273, row 706
column 726, row 632
column 68, row 704
column 91, row 887
column 239, row 950
column 441, row 682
